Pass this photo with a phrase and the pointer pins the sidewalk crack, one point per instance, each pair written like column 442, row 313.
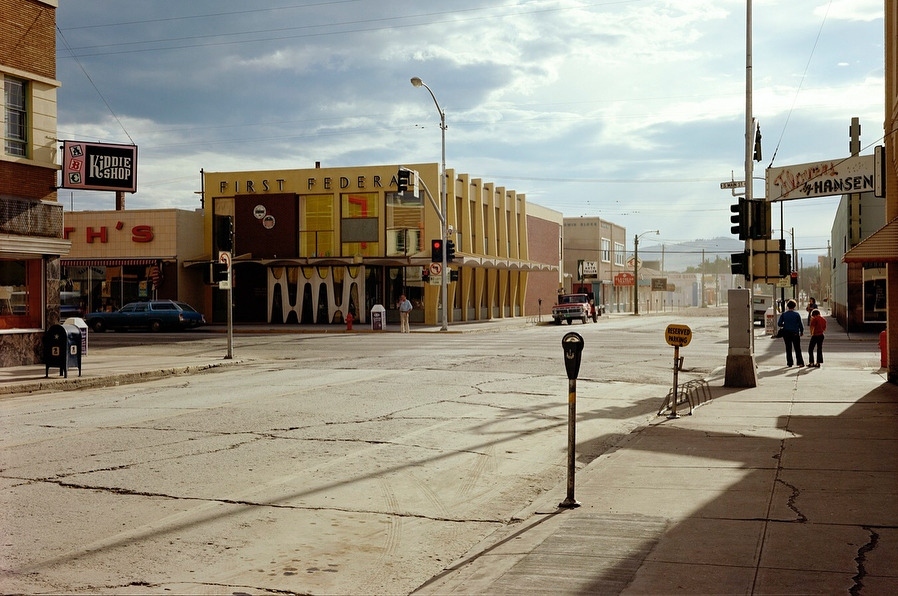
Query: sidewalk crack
column 861, row 560
column 793, row 498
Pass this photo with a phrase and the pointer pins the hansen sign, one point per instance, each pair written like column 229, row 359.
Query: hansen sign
column 856, row 174
column 99, row 166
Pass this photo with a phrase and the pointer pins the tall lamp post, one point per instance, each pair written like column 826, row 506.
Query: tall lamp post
column 444, row 285
column 636, row 268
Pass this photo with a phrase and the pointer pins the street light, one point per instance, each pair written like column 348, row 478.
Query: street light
column 417, row 82
column 636, row 268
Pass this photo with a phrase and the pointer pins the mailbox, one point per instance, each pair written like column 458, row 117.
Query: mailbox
column 62, row 349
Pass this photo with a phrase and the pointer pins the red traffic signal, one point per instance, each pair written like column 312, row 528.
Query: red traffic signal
column 436, row 250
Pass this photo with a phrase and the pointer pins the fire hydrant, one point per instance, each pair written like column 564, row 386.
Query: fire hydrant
column 349, row 320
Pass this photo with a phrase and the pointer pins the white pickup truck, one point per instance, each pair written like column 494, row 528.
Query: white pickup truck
column 570, row 307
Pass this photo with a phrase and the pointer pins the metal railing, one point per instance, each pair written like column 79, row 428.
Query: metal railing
column 694, row 393
column 30, row 218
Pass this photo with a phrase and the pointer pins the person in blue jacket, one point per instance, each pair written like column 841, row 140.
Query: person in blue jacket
column 791, row 331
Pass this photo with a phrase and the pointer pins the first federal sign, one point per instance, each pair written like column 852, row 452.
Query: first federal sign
column 678, row 335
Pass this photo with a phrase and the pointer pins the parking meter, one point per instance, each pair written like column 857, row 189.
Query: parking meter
column 573, row 348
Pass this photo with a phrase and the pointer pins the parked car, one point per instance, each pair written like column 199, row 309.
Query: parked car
column 154, row 315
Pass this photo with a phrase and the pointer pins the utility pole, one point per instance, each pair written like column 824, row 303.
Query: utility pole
column 740, row 363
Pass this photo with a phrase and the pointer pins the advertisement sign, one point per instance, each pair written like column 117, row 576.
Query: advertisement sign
column 854, row 174
column 624, row 279
column 99, row 166
column 587, row 269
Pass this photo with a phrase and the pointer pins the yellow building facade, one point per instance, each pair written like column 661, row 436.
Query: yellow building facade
column 309, row 246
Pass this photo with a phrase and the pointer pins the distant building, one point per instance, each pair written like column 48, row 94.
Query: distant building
column 31, row 219
column 595, row 257
column 859, row 288
column 882, row 246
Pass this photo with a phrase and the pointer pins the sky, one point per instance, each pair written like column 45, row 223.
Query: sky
column 628, row 110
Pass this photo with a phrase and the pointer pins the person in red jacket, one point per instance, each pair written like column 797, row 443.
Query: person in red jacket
column 818, row 328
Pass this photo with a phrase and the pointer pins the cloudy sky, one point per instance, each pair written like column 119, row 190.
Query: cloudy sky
column 630, row 110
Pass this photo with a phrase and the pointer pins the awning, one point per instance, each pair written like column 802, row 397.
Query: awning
column 107, row 262
column 879, row 247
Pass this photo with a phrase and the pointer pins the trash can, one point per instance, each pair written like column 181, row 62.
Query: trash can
column 378, row 316
column 81, row 324
column 62, row 349
column 883, row 349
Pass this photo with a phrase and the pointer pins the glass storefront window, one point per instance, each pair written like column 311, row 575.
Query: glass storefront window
column 405, row 225
column 874, row 293
column 359, row 224
column 20, row 294
column 316, row 217
column 101, row 288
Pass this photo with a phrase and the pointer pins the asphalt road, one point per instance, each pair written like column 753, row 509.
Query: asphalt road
column 321, row 463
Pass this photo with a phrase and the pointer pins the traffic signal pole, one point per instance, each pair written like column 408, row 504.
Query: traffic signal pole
column 440, row 211
column 740, row 363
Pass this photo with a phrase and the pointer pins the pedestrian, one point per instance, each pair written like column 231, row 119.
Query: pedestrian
column 811, row 307
column 405, row 307
column 818, row 328
column 791, row 329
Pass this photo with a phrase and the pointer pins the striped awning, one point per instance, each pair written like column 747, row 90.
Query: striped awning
column 107, row 262
column 879, row 247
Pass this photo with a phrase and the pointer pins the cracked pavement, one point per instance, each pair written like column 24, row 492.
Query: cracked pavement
column 435, row 463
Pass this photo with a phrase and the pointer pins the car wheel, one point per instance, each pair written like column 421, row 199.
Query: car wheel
column 98, row 325
column 155, row 326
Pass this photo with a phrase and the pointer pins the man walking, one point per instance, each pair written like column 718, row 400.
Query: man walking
column 405, row 307
column 792, row 329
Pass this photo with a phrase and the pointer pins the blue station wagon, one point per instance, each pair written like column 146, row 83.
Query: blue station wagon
column 154, row 315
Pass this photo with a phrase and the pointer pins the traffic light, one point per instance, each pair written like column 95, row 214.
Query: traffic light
column 760, row 221
column 785, row 263
column 757, row 152
column 436, row 250
column 450, row 251
column 403, row 179
column 219, row 272
column 740, row 219
column 224, row 233
column 739, row 263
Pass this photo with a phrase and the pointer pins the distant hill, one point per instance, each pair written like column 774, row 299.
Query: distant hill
column 679, row 256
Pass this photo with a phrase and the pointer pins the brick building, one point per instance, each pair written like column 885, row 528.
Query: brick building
column 31, row 219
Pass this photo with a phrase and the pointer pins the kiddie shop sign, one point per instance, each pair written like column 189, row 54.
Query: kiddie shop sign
column 99, row 166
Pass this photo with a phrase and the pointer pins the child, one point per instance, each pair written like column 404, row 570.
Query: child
column 818, row 328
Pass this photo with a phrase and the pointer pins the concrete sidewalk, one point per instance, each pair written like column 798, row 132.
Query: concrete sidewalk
column 790, row 487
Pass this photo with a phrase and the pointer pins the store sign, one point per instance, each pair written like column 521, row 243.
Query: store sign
column 856, row 174
column 587, row 269
column 624, row 279
column 99, row 166
column 101, row 234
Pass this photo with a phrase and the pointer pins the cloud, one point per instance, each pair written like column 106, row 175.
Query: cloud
column 628, row 109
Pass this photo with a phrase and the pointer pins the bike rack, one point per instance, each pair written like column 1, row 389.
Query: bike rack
column 694, row 393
